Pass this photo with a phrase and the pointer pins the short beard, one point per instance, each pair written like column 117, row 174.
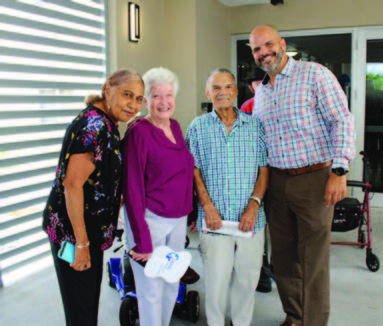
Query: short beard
column 278, row 60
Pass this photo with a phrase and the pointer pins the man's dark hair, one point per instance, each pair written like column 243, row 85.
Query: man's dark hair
column 258, row 74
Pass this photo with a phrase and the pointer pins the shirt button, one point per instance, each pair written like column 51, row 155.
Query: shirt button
column 280, row 138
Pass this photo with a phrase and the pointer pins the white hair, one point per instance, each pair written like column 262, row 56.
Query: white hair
column 159, row 76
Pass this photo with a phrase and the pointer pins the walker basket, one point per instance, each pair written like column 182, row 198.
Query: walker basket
column 347, row 215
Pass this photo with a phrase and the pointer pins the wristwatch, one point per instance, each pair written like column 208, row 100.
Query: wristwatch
column 259, row 200
column 339, row 171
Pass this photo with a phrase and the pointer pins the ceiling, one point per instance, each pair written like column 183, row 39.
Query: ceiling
column 234, row 3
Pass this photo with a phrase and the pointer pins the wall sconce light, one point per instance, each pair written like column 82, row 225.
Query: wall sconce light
column 134, row 22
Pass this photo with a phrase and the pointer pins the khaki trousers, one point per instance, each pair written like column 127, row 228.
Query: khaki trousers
column 299, row 225
column 231, row 268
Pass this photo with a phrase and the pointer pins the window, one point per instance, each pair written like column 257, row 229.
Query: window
column 52, row 54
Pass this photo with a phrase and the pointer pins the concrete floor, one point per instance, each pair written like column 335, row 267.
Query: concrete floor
column 356, row 293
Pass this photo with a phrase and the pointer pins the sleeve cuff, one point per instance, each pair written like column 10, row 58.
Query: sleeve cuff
column 340, row 163
column 146, row 248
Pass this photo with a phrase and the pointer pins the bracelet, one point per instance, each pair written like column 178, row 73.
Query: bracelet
column 83, row 246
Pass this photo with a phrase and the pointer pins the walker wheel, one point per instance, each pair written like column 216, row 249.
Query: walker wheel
column 128, row 311
column 372, row 262
column 192, row 306
column 362, row 238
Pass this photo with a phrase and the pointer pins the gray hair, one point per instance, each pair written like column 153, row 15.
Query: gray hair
column 217, row 71
column 159, row 76
column 118, row 78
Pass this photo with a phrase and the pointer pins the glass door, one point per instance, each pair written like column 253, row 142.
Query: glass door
column 368, row 97
column 373, row 140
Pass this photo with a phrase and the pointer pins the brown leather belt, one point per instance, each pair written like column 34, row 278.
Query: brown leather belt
column 306, row 169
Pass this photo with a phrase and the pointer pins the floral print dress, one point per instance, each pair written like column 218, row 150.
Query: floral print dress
column 91, row 131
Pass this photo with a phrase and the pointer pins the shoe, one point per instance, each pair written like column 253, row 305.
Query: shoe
column 289, row 323
column 264, row 288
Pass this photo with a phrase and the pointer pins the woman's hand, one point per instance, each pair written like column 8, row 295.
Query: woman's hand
column 140, row 257
column 193, row 227
column 81, row 259
column 132, row 122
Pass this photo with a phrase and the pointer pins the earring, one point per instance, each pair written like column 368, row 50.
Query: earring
column 109, row 106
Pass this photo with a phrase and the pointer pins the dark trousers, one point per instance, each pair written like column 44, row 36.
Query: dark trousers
column 265, row 277
column 299, row 225
column 80, row 291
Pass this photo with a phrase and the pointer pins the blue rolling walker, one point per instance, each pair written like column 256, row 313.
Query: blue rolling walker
column 121, row 278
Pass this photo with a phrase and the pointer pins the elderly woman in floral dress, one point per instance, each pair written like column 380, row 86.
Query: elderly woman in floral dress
column 84, row 203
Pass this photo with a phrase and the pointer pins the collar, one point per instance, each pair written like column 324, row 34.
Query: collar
column 241, row 118
column 287, row 70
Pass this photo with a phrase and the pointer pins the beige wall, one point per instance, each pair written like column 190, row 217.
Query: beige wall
column 307, row 14
column 167, row 39
column 190, row 37
column 179, row 54
column 197, row 42
column 147, row 52
column 213, row 43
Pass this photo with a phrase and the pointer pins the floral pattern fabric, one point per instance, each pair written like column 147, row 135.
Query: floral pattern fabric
column 91, row 131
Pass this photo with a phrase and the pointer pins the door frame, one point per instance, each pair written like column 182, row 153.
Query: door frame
column 359, row 38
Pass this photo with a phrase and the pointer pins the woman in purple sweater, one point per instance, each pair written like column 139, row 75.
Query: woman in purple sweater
column 157, row 184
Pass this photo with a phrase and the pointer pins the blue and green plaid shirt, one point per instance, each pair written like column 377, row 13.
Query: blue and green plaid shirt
column 228, row 163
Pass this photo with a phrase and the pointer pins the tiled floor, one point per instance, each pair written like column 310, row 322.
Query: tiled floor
column 356, row 293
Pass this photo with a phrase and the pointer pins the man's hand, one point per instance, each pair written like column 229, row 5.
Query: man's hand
column 335, row 189
column 249, row 217
column 212, row 218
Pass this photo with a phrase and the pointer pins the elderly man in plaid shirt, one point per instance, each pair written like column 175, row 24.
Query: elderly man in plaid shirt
column 310, row 141
column 230, row 176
